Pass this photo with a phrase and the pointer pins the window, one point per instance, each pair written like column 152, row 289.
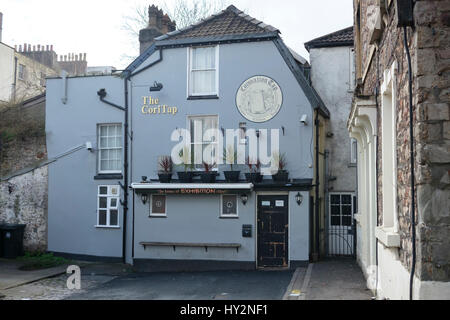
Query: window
column 229, row 206
column 22, row 71
column 204, row 139
column 341, row 209
column 203, row 71
column 110, row 148
column 108, row 206
column 353, row 151
column 158, row 206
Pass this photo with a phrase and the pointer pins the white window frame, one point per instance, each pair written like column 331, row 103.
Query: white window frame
column 352, row 203
column 389, row 148
column 227, row 215
column 353, row 151
column 99, row 126
column 21, row 75
column 190, row 92
column 157, row 215
column 191, row 143
column 108, row 208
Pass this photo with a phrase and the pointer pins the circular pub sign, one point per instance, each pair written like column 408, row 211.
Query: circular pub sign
column 259, row 99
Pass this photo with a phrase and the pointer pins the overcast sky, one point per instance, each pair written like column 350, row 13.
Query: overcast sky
column 95, row 26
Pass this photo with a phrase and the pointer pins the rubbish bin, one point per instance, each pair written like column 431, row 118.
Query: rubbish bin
column 11, row 240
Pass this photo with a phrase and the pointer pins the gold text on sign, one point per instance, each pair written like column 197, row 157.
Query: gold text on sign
column 152, row 106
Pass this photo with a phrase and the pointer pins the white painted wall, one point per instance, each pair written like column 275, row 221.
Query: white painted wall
column 331, row 76
column 6, row 71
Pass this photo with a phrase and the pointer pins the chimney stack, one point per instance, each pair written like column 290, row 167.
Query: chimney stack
column 1, row 26
column 158, row 24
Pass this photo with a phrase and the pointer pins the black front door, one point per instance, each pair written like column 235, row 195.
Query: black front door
column 273, row 231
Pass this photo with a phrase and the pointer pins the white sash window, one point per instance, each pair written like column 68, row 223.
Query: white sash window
column 203, row 71
column 110, row 148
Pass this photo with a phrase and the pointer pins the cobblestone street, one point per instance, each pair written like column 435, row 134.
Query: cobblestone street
column 52, row 288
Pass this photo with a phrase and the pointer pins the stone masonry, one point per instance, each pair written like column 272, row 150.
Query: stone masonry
column 23, row 171
column 429, row 44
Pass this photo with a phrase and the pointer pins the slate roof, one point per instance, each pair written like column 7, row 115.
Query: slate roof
column 230, row 21
column 342, row 37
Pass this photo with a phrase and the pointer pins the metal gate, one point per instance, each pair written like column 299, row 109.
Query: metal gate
column 341, row 225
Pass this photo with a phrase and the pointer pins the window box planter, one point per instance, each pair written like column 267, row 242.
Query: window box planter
column 254, row 177
column 281, row 176
column 232, row 176
column 208, row 177
column 185, row 177
column 165, row 177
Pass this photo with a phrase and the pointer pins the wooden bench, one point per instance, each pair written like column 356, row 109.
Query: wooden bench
column 191, row 245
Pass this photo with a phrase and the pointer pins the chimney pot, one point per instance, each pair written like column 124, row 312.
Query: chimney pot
column 51, row 47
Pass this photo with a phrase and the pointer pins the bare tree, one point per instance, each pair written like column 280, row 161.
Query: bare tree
column 183, row 12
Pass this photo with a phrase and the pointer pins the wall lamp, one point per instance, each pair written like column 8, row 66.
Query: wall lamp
column 244, row 198
column 144, row 198
column 157, row 86
column 299, row 198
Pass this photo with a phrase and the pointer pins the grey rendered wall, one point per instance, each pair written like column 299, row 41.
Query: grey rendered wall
column 330, row 74
column 196, row 219
column 299, row 227
column 238, row 62
column 72, row 200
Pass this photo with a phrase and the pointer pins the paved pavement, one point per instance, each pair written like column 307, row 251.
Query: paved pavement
column 326, row 280
column 339, row 279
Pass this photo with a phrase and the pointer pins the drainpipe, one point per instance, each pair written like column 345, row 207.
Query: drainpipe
column 317, row 184
column 412, row 158
column 15, row 80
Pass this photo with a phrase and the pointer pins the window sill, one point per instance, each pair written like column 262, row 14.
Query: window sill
column 352, row 165
column 388, row 237
column 230, row 217
column 108, row 176
column 107, row 227
column 204, row 97
column 157, row 216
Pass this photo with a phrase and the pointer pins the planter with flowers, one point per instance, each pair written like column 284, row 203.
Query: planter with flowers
column 254, row 175
column 281, row 175
column 229, row 157
column 185, row 157
column 165, row 169
column 208, row 176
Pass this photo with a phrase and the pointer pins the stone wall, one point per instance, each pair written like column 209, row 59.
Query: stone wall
column 23, row 199
column 429, row 44
column 23, row 170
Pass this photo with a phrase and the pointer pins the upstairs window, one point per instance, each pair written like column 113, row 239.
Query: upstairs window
column 110, row 148
column 203, row 71
column 22, row 72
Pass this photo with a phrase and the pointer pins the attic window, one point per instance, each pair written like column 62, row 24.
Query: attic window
column 203, row 71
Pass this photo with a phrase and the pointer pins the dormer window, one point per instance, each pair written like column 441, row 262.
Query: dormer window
column 203, row 75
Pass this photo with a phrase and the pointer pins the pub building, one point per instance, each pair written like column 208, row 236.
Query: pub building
column 114, row 193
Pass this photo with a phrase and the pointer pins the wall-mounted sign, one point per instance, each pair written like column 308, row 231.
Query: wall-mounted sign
column 194, row 191
column 259, row 99
column 151, row 106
